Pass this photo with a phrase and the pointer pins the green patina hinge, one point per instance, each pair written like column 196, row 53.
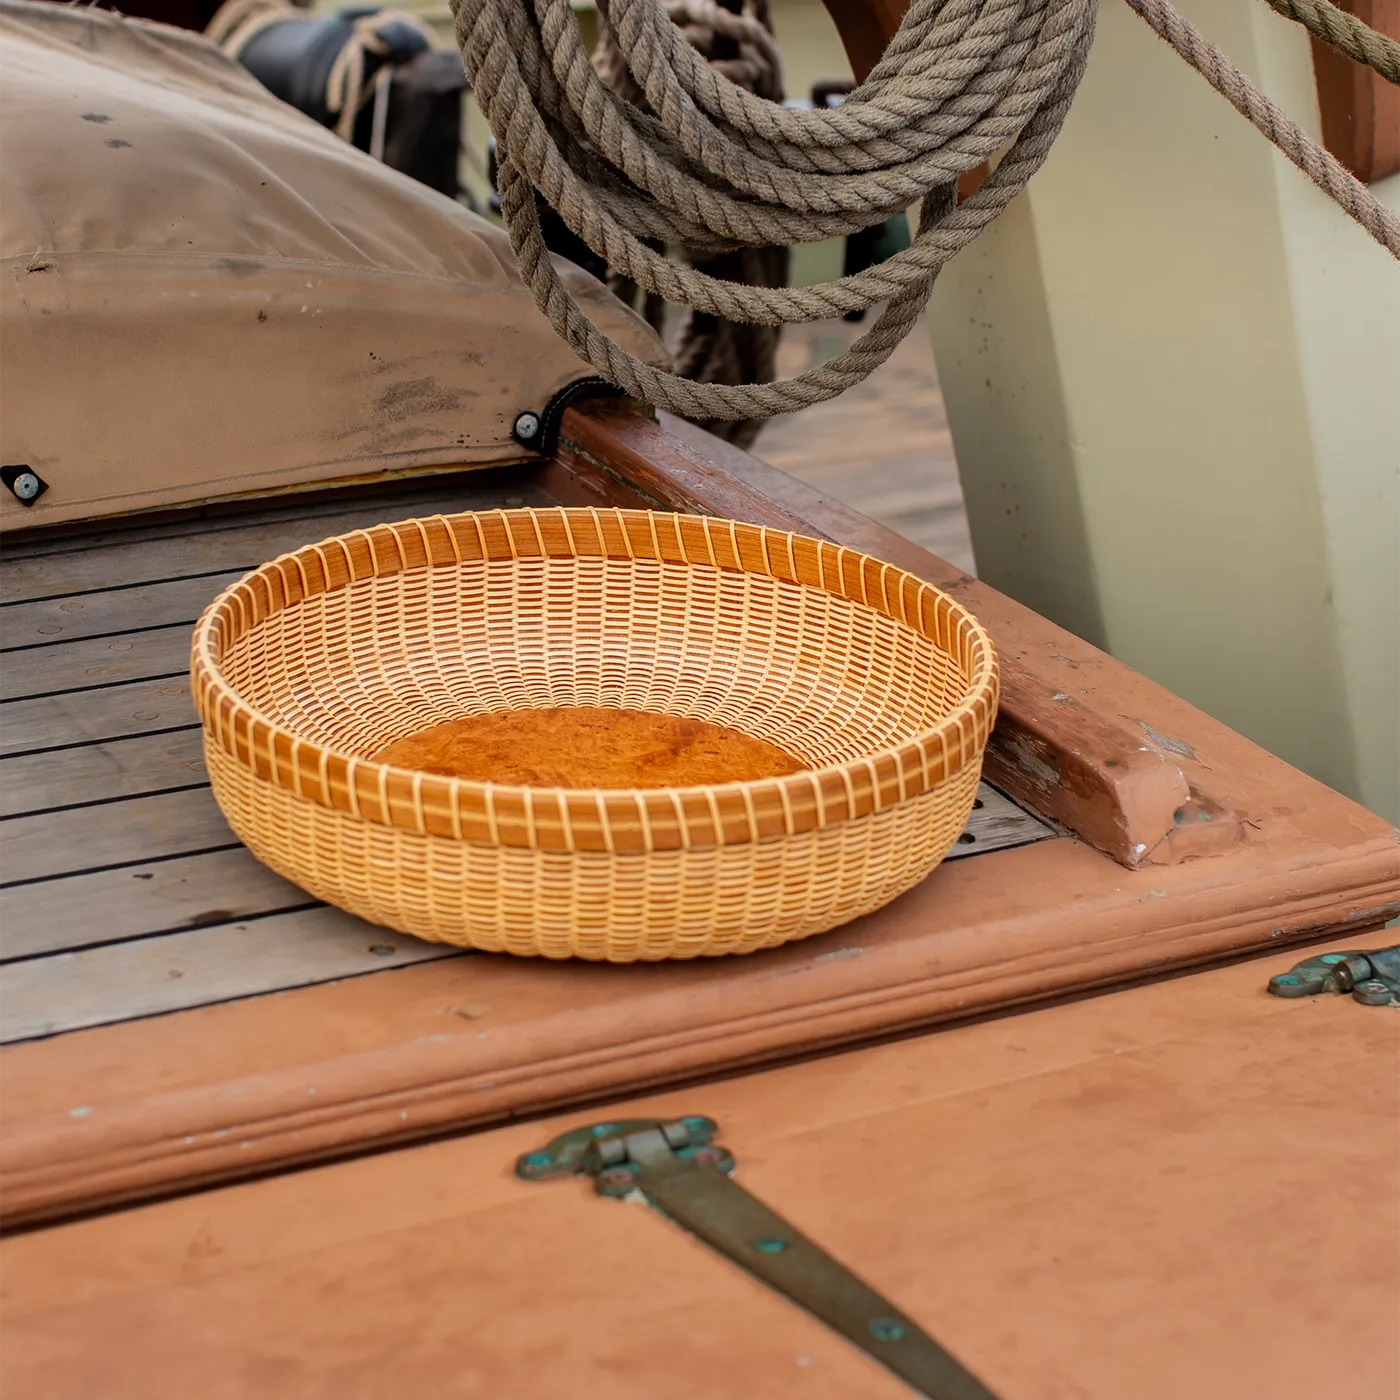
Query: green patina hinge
column 678, row 1168
column 1371, row 976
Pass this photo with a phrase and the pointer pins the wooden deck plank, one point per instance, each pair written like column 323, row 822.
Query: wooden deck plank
column 84, row 717
column 33, row 783
column 163, row 652
column 1162, row 1194
column 49, row 914
column 101, row 614
column 236, row 544
column 155, row 896
column 996, row 824
column 151, row 976
column 1049, row 918
column 111, row 833
column 184, row 522
column 105, row 807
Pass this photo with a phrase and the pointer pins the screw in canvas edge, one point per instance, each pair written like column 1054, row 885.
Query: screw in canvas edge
column 540, row 431
column 25, row 484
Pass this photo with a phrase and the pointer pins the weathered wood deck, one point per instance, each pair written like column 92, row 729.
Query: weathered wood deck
column 123, row 893
column 882, row 447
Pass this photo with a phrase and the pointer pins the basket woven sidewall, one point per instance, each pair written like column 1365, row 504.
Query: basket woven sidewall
column 884, row 686
column 629, row 907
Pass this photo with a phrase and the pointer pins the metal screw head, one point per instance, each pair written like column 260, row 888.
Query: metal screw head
column 26, row 486
column 382, row 950
column 616, row 1181
column 770, row 1244
column 534, row 1164
column 1371, row 993
column 1332, row 959
column 886, row 1329
column 527, row 427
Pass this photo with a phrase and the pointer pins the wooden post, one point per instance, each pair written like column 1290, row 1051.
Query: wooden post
column 1169, row 371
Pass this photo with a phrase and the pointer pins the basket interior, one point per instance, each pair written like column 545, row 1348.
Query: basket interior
column 825, row 678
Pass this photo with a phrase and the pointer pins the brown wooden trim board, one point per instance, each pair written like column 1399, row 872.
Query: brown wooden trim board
column 1360, row 111
column 116, row 1113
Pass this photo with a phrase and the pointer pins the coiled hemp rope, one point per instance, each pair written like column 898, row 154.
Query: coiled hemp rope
column 709, row 165
column 718, row 167
column 707, row 349
column 1345, row 33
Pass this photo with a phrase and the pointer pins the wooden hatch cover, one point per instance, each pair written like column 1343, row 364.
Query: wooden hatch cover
column 179, row 1015
column 1181, row 1189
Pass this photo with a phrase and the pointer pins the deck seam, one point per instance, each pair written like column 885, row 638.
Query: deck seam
column 100, row 685
column 123, row 587
column 120, row 864
column 105, row 739
column 162, row 933
column 103, row 801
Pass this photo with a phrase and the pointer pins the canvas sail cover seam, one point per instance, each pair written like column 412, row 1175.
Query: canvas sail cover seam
column 205, row 293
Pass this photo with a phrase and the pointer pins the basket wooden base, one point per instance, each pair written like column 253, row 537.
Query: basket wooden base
column 586, row 746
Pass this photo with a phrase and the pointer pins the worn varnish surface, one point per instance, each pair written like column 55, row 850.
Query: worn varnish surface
column 124, row 893
column 115, row 1112
column 1172, row 1191
column 1360, row 110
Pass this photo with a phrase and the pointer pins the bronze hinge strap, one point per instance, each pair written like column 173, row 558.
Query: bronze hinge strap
column 1372, row 976
column 680, row 1170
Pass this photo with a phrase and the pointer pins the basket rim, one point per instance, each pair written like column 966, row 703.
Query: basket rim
column 410, row 798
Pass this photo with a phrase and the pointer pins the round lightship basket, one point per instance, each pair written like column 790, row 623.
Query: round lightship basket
column 885, row 687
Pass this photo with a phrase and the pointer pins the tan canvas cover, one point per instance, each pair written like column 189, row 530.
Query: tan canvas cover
column 205, row 293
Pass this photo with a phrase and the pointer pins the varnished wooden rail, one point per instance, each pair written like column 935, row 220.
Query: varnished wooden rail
column 1360, row 111
column 1054, row 750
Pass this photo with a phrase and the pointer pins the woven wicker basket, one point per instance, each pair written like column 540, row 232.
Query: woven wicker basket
column 882, row 684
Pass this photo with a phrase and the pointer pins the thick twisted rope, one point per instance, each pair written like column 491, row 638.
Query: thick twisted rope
column 1345, row 33
column 755, row 65
column 712, row 166
column 1320, row 166
column 709, row 349
column 707, row 165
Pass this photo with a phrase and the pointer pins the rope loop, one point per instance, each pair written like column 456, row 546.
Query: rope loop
column 670, row 150
column 698, row 160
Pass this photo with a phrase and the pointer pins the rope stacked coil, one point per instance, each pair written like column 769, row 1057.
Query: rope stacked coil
column 738, row 43
column 710, row 165
column 704, row 164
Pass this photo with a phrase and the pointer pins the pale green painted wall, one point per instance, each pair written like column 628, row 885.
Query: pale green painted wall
column 1172, row 372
